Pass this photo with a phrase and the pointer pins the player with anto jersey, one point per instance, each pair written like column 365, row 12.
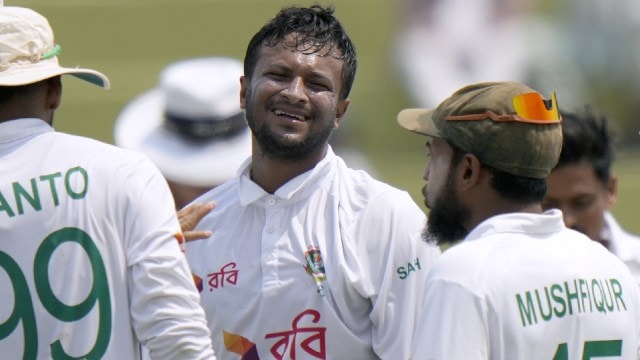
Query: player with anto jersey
column 89, row 263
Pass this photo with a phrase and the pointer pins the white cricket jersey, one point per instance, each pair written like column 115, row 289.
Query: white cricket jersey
column 523, row 286
column 624, row 245
column 89, row 263
column 331, row 266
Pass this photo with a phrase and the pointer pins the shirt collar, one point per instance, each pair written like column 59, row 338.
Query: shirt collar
column 15, row 130
column 611, row 231
column 298, row 187
column 548, row 222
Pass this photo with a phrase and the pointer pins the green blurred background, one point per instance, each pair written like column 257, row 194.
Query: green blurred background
column 132, row 40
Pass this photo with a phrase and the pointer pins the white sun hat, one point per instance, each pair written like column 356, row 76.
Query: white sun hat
column 190, row 125
column 28, row 53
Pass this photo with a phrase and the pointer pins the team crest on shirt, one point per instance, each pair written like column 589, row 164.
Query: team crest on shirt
column 227, row 275
column 315, row 267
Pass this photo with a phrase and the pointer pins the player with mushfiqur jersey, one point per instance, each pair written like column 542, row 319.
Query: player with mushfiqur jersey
column 520, row 284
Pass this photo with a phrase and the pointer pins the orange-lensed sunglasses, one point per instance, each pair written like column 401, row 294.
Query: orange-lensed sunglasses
column 529, row 107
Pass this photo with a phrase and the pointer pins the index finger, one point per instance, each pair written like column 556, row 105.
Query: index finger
column 190, row 216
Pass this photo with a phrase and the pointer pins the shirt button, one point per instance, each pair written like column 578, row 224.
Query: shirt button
column 270, row 229
column 271, row 202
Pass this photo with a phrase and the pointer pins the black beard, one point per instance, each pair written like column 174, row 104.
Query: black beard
column 281, row 149
column 446, row 218
column 286, row 150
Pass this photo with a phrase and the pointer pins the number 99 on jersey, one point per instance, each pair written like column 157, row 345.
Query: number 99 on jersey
column 24, row 316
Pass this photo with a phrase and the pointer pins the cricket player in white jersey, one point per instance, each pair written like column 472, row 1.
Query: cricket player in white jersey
column 89, row 263
column 309, row 259
column 520, row 285
column 584, row 186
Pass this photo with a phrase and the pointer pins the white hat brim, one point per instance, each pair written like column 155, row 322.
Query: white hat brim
column 140, row 127
column 29, row 74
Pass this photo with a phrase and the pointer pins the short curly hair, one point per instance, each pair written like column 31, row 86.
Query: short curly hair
column 316, row 30
column 588, row 136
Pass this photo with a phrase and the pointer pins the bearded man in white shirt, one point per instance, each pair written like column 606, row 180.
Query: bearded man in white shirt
column 520, row 284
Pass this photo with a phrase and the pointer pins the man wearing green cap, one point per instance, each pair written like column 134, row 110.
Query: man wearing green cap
column 520, row 284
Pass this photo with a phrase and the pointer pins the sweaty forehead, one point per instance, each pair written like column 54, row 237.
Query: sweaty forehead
column 572, row 180
column 306, row 44
column 304, row 61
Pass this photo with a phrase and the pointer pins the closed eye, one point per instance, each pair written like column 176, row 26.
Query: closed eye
column 583, row 202
column 318, row 86
column 277, row 75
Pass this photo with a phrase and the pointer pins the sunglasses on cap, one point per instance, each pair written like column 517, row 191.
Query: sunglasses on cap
column 529, row 108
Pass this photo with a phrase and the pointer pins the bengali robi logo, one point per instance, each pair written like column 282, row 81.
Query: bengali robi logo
column 305, row 338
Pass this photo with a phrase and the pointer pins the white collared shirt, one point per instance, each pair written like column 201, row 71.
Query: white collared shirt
column 624, row 245
column 254, row 279
column 83, row 222
column 523, row 286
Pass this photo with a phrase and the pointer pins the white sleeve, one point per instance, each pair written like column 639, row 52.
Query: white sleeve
column 398, row 263
column 451, row 325
column 165, row 305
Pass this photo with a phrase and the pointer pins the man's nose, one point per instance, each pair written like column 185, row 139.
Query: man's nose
column 295, row 91
column 569, row 218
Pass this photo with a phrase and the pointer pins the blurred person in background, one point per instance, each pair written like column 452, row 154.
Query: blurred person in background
column 583, row 49
column 190, row 125
column 309, row 258
column 89, row 260
column 445, row 44
column 589, row 51
column 584, row 186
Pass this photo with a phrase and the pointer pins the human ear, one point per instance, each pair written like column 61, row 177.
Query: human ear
column 244, row 84
column 54, row 93
column 469, row 170
column 612, row 189
column 341, row 109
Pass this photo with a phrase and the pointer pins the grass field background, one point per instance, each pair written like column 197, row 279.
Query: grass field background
column 132, row 40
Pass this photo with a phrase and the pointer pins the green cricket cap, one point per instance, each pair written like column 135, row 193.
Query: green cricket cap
column 507, row 125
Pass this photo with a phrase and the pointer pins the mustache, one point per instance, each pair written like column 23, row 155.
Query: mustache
column 284, row 104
